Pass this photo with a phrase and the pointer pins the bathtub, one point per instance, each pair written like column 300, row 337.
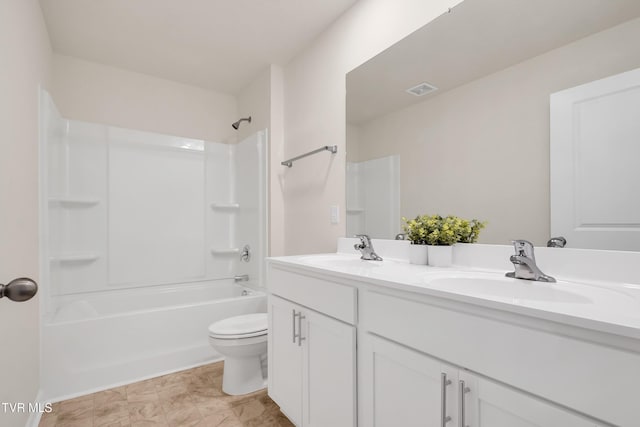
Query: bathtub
column 96, row 341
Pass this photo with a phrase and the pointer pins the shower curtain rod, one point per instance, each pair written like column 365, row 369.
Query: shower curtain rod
column 332, row 148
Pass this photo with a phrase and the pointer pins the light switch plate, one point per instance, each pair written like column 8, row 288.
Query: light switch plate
column 334, row 215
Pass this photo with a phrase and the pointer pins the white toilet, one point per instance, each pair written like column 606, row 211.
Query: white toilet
column 242, row 340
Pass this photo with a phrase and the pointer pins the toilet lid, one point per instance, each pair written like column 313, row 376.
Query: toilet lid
column 242, row 326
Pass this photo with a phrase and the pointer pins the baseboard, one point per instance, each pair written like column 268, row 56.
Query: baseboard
column 35, row 417
column 130, row 381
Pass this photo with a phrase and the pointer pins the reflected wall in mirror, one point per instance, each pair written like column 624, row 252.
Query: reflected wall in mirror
column 479, row 145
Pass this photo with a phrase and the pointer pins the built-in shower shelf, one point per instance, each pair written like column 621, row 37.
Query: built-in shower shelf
column 75, row 258
column 355, row 210
column 74, row 201
column 225, row 206
column 225, row 251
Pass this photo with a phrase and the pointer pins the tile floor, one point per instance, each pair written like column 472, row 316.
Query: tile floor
column 192, row 398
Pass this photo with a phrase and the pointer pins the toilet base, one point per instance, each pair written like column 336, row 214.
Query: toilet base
column 242, row 375
column 245, row 356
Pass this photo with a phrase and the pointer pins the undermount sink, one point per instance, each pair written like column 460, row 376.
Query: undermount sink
column 511, row 290
column 353, row 264
column 342, row 262
column 496, row 287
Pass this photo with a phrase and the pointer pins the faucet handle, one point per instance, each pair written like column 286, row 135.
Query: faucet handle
column 557, row 242
column 364, row 239
column 366, row 247
column 523, row 248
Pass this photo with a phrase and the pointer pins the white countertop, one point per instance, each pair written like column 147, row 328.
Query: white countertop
column 612, row 308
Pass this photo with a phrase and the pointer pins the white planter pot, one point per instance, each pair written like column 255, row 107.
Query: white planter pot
column 418, row 254
column 440, row 256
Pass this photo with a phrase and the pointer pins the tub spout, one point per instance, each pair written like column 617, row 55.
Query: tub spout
column 241, row 278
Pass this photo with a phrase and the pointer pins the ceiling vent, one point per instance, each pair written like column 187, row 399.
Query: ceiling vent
column 422, row 89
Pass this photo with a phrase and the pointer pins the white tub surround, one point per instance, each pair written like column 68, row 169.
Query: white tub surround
column 103, row 341
column 150, row 210
column 463, row 342
column 141, row 241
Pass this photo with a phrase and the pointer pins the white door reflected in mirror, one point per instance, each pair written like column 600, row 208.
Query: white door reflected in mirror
column 595, row 178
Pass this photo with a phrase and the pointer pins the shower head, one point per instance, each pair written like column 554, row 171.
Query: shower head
column 236, row 125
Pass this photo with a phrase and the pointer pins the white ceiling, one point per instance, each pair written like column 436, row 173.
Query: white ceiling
column 477, row 38
column 216, row 44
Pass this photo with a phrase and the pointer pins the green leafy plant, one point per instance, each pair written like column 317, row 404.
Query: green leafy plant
column 439, row 230
column 416, row 229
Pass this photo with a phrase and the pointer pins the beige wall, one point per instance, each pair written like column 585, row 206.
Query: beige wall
column 26, row 54
column 93, row 92
column 276, row 170
column 314, row 112
column 254, row 101
column 482, row 149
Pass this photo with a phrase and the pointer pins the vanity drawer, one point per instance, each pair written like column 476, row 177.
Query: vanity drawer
column 572, row 372
column 321, row 294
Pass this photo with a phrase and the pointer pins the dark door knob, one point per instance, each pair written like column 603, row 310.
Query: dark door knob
column 21, row 289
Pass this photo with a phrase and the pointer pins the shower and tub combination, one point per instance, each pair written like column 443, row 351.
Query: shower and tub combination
column 147, row 240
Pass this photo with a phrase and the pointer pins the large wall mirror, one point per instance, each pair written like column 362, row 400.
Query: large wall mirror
column 475, row 141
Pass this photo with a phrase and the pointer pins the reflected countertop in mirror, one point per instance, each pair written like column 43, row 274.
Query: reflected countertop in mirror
column 478, row 146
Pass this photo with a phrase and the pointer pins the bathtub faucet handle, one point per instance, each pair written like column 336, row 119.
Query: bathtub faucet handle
column 246, row 253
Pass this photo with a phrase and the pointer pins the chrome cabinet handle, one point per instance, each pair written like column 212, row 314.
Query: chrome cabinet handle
column 293, row 326
column 300, row 337
column 19, row 290
column 444, row 418
column 461, row 406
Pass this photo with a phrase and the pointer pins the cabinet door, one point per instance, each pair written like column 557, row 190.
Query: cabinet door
column 285, row 358
column 489, row 404
column 329, row 372
column 407, row 388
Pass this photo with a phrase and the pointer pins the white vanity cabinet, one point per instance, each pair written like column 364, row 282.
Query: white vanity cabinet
column 484, row 403
column 412, row 347
column 404, row 387
column 285, row 358
column 312, row 356
column 425, row 359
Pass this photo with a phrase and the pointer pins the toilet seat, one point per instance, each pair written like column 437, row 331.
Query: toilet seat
column 238, row 327
column 228, row 342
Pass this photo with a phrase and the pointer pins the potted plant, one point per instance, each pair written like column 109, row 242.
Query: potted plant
column 439, row 234
column 416, row 232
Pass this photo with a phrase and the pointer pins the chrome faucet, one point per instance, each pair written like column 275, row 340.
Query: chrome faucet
column 557, row 242
column 366, row 248
column 524, row 262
